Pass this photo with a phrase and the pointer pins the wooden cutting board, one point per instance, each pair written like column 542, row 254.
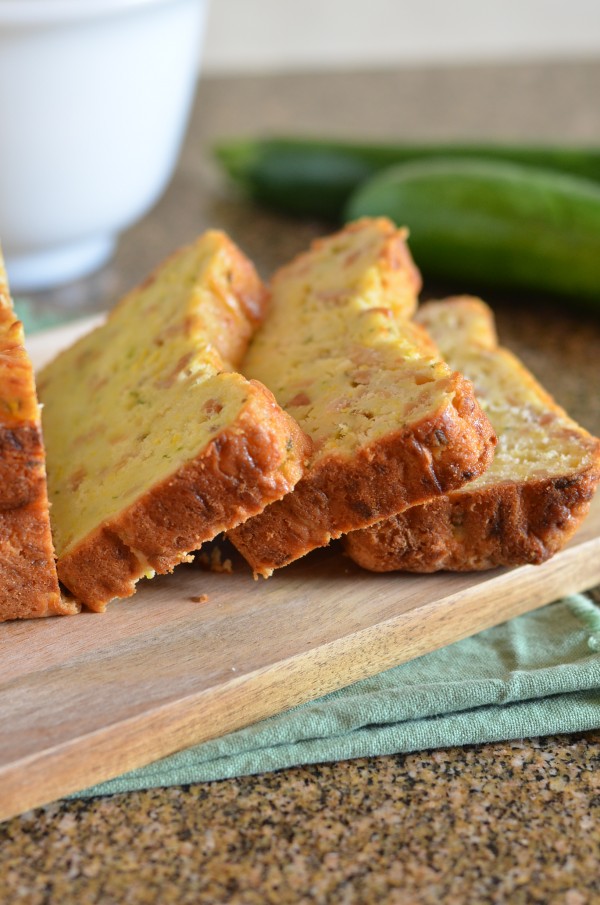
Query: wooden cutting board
column 85, row 698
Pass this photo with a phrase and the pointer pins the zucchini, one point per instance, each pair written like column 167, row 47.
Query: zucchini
column 494, row 223
column 313, row 177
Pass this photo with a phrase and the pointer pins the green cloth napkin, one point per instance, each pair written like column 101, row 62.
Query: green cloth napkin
column 538, row 674
column 35, row 319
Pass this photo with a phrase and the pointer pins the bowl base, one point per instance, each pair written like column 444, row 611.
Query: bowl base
column 60, row 264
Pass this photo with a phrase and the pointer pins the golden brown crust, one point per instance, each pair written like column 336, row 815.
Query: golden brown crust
column 339, row 495
column 28, row 582
column 504, row 522
column 244, row 467
column 503, row 525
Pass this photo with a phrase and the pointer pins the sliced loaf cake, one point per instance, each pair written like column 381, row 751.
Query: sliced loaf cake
column 154, row 443
column 534, row 495
column 28, row 582
column 391, row 424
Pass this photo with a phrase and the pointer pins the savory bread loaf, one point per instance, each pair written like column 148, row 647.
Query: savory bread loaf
column 533, row 496
column 154, row 444
column 391, row 424
column 28, row 582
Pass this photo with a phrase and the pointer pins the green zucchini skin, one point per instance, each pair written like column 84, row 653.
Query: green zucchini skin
column 313, row 177
column 494, row 223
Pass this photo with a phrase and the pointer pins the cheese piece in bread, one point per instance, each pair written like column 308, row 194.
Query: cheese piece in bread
column 534, row 495
column 154, row 443
column 391, row 424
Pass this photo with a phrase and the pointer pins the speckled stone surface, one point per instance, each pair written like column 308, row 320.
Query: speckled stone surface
column 514, row 822
column 506, row 823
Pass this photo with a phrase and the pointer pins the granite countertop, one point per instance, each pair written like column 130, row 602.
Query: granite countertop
column 510, row 822
column 514, row 822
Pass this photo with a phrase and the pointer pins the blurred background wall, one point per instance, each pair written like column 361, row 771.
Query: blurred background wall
column 267, row 35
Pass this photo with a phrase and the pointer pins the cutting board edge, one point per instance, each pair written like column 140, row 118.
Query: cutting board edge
column 47, row 775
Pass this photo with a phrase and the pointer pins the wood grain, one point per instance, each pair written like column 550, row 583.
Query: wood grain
column 85, row 698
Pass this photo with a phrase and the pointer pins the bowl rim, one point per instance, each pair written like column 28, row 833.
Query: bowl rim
column 43, row 12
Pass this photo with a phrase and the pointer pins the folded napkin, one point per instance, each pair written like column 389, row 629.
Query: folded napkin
column 538, row 674
column 35, row 318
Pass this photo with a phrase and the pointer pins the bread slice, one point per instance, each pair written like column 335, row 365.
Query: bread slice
column 28, row 582
column 391, row 424
column 154, row 443
column 534, row 495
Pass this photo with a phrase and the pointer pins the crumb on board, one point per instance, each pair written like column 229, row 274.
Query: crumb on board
column 199, row 598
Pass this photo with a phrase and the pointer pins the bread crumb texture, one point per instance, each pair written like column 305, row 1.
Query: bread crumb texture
column 390, row 422
column 28, row 581
column 199, row 598
column 534, row 494
column 154, row 443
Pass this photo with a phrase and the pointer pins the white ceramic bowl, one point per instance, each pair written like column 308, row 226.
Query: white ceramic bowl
column 94, row 101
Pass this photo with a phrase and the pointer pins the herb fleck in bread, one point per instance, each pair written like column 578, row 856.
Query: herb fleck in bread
column 534, row 495
column 391, row 424
column 154, row 443
column 28, row 582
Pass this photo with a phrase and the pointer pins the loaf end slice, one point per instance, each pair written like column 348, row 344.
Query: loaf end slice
column 534, row 495
column 391, row 424
column 28, row 581
column 155, row 444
